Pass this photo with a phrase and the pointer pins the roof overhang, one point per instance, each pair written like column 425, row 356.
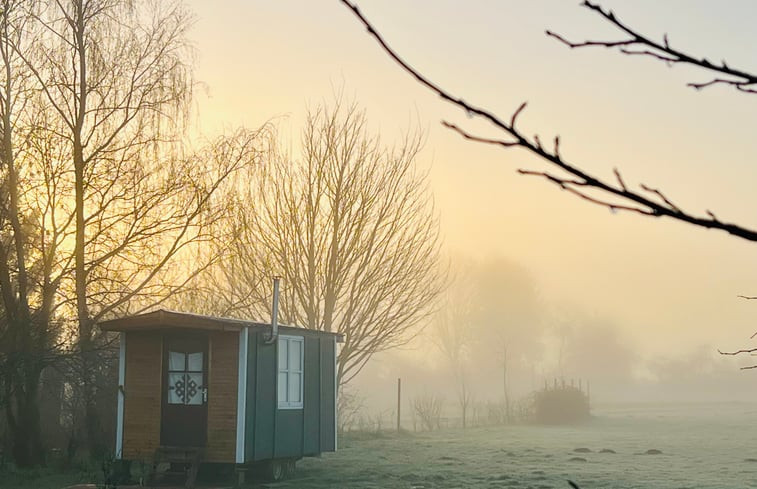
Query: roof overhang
column 164, row 319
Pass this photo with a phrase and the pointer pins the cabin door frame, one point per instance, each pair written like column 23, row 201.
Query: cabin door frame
column 184, row 405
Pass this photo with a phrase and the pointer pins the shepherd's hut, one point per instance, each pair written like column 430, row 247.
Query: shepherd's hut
column 198, row 390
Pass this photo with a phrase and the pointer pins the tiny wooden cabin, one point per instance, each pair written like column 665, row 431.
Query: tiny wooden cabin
column 223, row 389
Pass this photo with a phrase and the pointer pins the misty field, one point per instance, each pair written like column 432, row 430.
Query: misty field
column 703, row 446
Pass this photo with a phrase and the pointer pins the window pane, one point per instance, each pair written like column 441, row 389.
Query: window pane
column 295, row 355
column 194, row 389
column 176, row 388
column 282, row 387
column 294, row 387
column 176, row 360
column 195, row 362
column 283, row 353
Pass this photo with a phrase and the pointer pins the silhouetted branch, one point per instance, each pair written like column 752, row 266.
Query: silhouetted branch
column 740, row 79
column 478, row 139
column 740, row 352
column 577, row 179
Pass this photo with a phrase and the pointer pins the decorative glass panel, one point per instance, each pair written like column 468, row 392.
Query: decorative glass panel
column 282, row 387
column 195, row 362
column 193, row 394
column 283, row 343
column 294, row 387
column 176, row 360
column 185, row 378
column 295, row 356
column 176, row 388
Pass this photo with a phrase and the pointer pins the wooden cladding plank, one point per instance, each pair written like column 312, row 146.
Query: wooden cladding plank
column 222, row 397
column 143, row 395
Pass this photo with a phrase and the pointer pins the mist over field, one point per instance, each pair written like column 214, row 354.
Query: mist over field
column 547, row 339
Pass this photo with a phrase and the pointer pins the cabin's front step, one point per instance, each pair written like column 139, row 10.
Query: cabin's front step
column 183, row 461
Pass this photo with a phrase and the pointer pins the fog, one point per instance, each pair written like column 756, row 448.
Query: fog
column 546, row 339
column 666, row 289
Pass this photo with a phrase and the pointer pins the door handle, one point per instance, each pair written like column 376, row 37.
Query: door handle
column 204, row 394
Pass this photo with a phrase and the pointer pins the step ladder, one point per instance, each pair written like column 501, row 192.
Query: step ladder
column 183, row 462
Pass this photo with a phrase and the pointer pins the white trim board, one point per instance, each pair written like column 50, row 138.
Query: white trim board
column 121, row 395
column 244, row 335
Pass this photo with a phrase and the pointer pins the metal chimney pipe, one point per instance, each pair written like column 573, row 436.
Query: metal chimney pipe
column 275, row 311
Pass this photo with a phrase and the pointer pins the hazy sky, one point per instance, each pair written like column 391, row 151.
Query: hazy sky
column 669, row 286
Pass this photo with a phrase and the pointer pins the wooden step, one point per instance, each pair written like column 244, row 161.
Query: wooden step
column 190, row 457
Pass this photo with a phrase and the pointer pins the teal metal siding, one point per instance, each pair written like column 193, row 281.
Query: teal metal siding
column 288, row 433
column 328, row 397
column 312, row 397
column 281, row 433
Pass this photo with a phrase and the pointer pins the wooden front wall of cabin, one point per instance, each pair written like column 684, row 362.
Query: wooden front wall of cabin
column 142, row 399
column 222, row 397
column 143, row 387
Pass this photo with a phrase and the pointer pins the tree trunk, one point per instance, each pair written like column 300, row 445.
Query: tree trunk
column 88, row 355
column 22, row 411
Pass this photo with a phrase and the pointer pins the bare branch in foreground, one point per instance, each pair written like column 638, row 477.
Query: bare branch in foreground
column 641, row 45
column 648, row 201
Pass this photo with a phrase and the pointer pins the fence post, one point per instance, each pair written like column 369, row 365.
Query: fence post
column 399, row 403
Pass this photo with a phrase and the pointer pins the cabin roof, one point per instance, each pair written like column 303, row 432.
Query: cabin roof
column 167, row 319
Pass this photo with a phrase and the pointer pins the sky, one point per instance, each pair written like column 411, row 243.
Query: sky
column 671, row 289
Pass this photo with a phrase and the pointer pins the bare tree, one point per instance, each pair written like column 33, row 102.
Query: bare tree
column 351, row 230
column 350, row 406
column 427, row 408
column 454, row 332
column 33, row 225
column 490, row 321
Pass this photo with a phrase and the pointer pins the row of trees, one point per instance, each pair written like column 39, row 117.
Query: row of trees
column 106, row 210
column 99, row 196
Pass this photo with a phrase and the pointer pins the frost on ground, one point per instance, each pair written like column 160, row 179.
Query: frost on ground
column 681, row 446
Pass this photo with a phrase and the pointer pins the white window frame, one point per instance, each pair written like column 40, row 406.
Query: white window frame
column 285, row 403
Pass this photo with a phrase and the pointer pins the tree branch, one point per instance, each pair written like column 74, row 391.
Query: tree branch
column 629, row 200
column 740, row 79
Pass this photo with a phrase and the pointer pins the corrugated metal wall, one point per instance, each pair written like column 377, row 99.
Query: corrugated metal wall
column 279, row 433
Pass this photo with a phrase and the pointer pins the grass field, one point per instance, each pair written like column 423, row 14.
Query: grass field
column 703, row 446
column 709, row 446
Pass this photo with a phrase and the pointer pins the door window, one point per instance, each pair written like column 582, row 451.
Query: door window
column 185, row 374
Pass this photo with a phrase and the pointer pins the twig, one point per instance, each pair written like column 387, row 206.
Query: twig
column 739, row 79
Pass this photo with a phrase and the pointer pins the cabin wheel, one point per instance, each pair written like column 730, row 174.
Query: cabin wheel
column 276, row 470
column 291, row 467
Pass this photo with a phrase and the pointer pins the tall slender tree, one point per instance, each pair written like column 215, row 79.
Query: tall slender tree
column 33, row 226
